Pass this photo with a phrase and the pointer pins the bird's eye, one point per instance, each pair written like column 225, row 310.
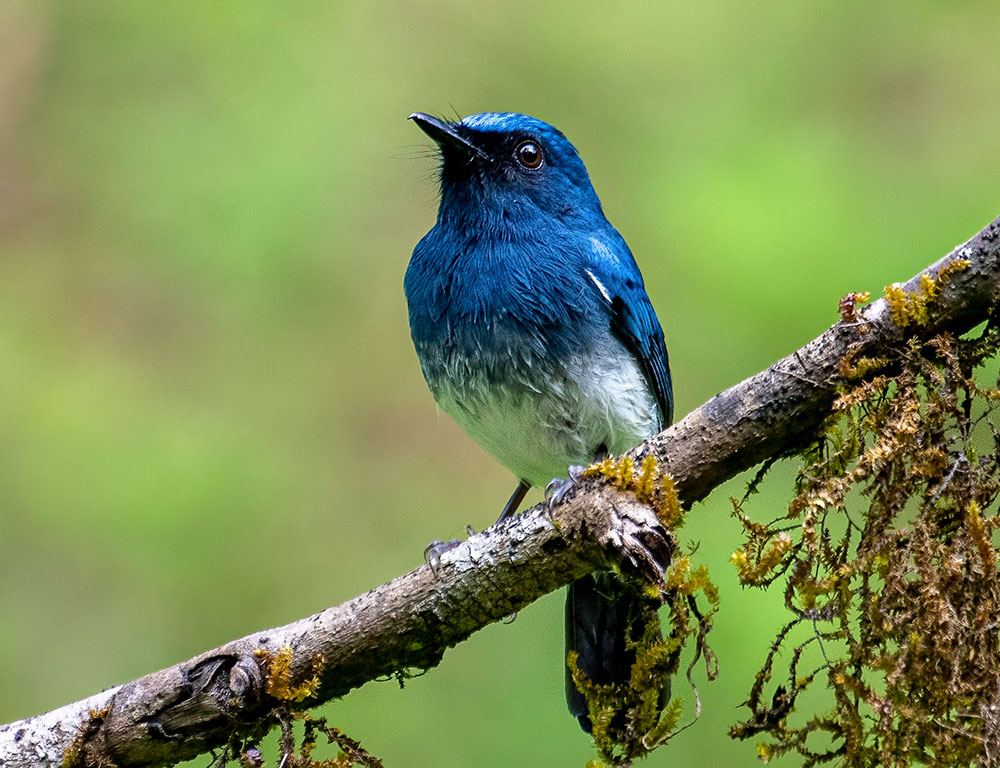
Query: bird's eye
column 528, row 154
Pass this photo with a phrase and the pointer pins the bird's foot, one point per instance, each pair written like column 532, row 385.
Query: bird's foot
column 436, row 549
column 558, row 487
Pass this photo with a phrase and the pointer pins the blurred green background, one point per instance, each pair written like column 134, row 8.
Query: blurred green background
column 211, row 417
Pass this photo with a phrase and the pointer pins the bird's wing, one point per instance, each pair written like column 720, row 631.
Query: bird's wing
column 633, row 321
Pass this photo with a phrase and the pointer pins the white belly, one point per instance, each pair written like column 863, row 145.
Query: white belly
column 538, row 425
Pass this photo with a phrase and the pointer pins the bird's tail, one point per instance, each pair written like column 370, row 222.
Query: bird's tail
column 603, row 617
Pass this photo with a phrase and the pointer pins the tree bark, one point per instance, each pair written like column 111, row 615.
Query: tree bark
column 199, row 704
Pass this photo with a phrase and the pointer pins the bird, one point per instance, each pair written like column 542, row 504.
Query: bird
column 534, row 331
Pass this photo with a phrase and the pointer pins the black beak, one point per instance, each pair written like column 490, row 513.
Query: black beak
column 445, row 134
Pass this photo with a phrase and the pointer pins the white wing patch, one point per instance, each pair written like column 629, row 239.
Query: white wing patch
column 602, row 252
column 600, row 286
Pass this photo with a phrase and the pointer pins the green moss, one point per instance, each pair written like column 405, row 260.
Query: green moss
column 278, row 675
column 912, row 308
column 649, row 485
column 298, row 751
column 888, row 554
column 629, row 720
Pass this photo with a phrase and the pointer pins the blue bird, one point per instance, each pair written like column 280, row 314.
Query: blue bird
column 535, row 333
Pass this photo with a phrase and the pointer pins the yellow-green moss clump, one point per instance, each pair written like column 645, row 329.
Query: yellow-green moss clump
column 911, row 308
column 278, row 675
column 632, row 719
column 350, row 753
column 889, row 554
column 293, row 751
column 650, row 486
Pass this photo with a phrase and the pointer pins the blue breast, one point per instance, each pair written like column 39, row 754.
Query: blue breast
column 515, row 343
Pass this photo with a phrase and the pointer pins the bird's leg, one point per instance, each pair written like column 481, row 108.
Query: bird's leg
column 434, row 550
column 509, row 509
column 558, row 487
column 514, row 501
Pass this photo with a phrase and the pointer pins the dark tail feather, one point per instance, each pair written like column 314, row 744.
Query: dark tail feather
column 601, row 613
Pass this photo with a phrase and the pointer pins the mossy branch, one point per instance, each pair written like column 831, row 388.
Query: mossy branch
column 244, row 687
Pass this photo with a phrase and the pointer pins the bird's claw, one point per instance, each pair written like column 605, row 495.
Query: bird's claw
column 558, row 487
column 556, row 491
column 437, row 548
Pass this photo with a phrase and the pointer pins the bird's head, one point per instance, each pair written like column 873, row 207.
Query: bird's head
column 509, row 166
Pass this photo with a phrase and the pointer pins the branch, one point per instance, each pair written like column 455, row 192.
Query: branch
column 778, row 411
column 240, row 687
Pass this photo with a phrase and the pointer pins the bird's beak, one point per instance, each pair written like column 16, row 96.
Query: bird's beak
column 445, row 134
